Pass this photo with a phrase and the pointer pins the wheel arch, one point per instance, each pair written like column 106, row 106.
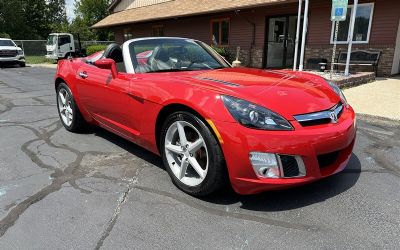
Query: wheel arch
column 58, row 81
column 175, row 107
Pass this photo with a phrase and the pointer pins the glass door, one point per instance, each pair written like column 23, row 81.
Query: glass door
column 281, row 41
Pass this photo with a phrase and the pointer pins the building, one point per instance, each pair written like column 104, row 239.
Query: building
column 265, row 30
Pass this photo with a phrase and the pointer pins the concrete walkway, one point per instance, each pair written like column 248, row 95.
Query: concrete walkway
column 380, row 98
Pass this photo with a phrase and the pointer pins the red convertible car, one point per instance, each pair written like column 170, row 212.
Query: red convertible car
column 211, row 124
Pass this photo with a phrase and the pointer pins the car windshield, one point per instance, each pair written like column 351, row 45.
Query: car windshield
column 52, row 40
column 6, row 43
column 168, row 55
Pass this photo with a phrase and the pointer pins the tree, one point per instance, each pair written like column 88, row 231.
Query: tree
column 31, row 19
column 89, row 12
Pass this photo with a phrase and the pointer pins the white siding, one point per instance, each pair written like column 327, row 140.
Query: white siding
column 131, row 4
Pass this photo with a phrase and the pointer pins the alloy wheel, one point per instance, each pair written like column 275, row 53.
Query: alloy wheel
column 186, row 153
column 64, row 107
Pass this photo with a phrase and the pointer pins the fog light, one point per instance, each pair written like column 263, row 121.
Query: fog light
column 265, row 165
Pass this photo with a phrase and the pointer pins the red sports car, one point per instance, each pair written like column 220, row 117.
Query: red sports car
column 211, row 123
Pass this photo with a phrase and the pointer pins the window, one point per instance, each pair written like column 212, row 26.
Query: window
column 158, row 30
column 64, row 40
column 362, row 26
column 127, row 34
column 220, row 32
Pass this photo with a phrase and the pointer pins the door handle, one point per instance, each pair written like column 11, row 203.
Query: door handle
column 83, row 75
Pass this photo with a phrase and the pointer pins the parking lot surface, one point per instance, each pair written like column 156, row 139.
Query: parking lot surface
column 95, row 190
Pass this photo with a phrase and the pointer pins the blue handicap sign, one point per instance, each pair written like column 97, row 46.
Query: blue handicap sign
column 339, row 12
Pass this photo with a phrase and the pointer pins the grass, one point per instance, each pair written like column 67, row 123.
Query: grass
column 38, row 60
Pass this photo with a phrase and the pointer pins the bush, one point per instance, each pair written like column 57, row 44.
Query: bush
column 223, row 52
column 95, row 48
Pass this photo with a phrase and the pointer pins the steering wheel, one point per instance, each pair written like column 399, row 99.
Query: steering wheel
column 193, row 62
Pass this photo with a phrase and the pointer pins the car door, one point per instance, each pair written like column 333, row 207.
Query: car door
column 107, row 99
column 64, row 45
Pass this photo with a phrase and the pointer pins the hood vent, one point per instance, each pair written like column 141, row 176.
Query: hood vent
column 219, row 81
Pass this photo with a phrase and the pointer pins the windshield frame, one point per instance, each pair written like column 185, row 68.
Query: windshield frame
column 128, row 57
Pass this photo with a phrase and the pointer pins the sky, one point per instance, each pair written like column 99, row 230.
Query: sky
column 70, row 9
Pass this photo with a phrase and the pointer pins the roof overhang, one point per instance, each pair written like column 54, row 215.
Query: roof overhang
column 175, row 9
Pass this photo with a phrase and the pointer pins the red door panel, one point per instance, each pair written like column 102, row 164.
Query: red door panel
column 107, row 99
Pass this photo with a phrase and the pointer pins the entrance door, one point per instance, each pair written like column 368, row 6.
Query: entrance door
column 280, row 37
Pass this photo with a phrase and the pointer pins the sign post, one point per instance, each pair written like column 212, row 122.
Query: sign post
column 338, row 14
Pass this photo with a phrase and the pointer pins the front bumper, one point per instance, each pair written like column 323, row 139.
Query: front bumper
column 16, row 59
column 306, row 142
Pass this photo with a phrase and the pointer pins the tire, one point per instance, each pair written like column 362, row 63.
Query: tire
column 201, row 150
column 22, row 64
column 72, row 122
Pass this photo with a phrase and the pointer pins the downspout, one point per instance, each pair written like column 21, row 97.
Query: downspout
column 253, row 40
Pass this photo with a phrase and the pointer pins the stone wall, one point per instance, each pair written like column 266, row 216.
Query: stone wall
column 325, row 51
column 257, row 55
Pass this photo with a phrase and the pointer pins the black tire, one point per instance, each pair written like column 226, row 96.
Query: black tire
column 22, row 64
column 216, row 176
column 78, row 122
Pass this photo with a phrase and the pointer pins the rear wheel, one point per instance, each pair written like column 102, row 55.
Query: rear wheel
column 192, row 155
column 68, row 111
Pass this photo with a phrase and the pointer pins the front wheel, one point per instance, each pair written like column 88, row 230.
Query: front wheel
column 192, row 155
column 68, row 111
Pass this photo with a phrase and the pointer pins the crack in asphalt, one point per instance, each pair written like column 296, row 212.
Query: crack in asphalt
column 377, row 149
column 122, row 199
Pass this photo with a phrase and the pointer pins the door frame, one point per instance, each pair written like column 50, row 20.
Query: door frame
column 265, row 54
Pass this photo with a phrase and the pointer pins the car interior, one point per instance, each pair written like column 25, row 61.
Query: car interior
column 114, row 51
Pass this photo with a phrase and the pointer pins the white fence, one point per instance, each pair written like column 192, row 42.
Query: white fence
column 38, row 47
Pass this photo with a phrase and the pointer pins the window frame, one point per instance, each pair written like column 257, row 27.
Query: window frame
column 220, row 20
column 369, row 26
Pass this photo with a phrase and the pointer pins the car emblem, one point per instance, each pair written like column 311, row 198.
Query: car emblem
column 333, row 117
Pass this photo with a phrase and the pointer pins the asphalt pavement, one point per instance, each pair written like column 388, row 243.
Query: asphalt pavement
column 95, row 190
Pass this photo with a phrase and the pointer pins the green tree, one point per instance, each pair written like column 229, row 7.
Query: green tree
column 31, row 19
column 89, row 12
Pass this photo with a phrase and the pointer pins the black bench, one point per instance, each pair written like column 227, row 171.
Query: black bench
column 360, row 58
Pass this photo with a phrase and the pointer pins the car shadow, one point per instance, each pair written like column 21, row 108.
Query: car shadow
column 10, row 65
column 282, row 200
column 127, row 145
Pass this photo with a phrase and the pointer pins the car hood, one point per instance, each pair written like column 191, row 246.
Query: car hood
column 285, row 92
column 9, row 48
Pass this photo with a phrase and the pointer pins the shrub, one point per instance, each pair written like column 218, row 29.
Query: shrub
column 223, row 52
column 95, row 48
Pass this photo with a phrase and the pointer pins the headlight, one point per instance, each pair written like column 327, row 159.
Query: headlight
column 20, row 52
column 339, row 92
column 253, row 116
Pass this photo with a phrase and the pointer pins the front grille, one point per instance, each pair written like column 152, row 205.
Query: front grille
column 321, row 117
column 328, row 159
column 8, row 53
column 289, row 166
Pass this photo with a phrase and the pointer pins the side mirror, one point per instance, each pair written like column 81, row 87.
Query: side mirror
column 107, row 63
